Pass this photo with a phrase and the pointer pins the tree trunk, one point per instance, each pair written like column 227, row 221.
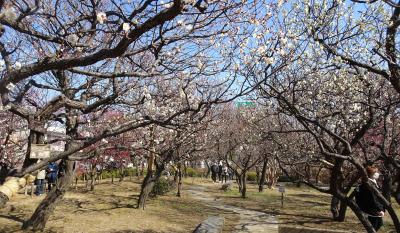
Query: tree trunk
column 263, row 174
column 42, row 213
column 3, row 173
column 137, row 169
column 176, row 176
column 342, row 212
column 258, row 175
column 317, row 176
column 335, row 205
column 184, row 170
column 145, row 190
column 141, row 169
column 147, row 185
column 336, row 183
column 179, row 180
column 244, row 188
column 208, row 170
column 394, row 217
column 239, row 181
column 397, row 192
column 387, row 187
column 121, row 175
column 86, row 181
column 93, row 176
column 357, row 211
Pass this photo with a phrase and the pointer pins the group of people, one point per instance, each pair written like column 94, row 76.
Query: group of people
column 221, row 172
column 48, row 175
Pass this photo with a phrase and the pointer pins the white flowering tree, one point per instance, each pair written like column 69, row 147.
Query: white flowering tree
column 234, row 141
column 355, row 33
column 336, row 107
column 82, row 57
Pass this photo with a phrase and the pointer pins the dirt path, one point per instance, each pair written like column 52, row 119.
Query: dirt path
column 250, row 221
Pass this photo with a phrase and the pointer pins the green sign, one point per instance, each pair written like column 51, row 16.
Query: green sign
column 246, row 104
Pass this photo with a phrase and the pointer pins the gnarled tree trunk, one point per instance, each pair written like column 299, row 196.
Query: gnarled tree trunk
column 3, row 173
column 179, row 180
column 263, row 174
column 243, row 177
column 93, row 176
column 42, row 213
column 148, row 184
column 121, row 175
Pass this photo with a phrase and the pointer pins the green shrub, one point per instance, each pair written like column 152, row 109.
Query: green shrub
column 162, row 187
column 116, row 173
column 130, row 171
column 106, row 174
column 252, row 176
column 191, row 172
column 285, row 178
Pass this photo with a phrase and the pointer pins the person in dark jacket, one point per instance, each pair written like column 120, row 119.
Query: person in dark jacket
column 214, row 172
column 52, row 171
column 368, row 201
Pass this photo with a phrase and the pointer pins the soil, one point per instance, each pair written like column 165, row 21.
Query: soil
column 112, row 208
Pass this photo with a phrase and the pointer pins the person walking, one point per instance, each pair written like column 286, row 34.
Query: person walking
column 40, row 177
column 368, row 201
column 224, row 173
column 214, row 171
column 52, row 172
column 220, row 171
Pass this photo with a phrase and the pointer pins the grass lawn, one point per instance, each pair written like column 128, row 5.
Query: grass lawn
column 111, row 208
column 303, row 207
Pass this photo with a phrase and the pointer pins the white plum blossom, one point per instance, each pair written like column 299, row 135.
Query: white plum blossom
column 261, row 49
column 10, row 86
column 17, row 65
column 73, row 39
column 101, row 17
column 126, row 27
column 181, row 22
column 2, row 64
column 9, row 14
column 269, row 60
column 189, row 2
column 189, row 27
column 168, row 5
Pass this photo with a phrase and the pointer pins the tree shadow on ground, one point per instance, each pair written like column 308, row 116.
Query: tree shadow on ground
column 16, row 229
column 234, row 197
column 13, row 217
column 297, row 215
column 304, row 195
column 145, row 231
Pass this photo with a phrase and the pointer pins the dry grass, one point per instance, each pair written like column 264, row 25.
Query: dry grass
column 303, row 207
column 111, row 208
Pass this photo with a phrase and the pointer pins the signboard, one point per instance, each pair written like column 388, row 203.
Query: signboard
column 282, row 190
column 40, row 151
column 19, row 135
column 247, row 104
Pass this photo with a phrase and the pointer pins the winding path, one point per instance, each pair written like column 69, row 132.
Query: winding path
column 250, row 221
